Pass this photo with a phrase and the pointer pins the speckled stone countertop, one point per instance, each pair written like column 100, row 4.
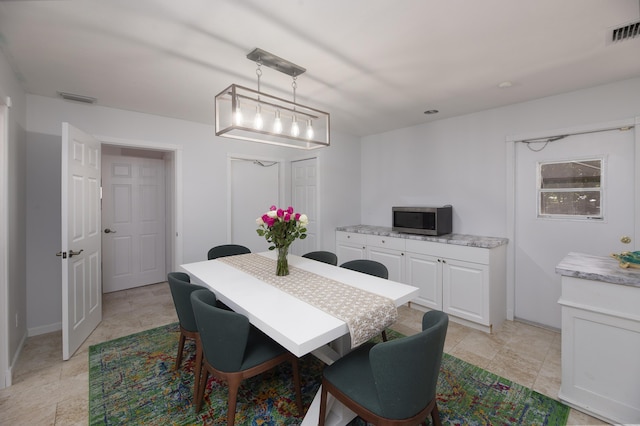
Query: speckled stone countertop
column 597, row 268
column 457, row 239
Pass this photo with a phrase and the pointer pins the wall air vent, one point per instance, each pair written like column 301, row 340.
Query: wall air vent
column 625, row 32
column 77, row 98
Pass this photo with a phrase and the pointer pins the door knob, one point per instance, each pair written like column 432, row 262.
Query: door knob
column 109, row 231
column 625, row 240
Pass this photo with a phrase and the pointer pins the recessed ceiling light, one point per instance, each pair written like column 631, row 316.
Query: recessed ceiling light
column 431, row 111
column 505, row 84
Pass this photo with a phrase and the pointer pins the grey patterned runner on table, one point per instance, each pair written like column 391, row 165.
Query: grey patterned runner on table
column 365, row 313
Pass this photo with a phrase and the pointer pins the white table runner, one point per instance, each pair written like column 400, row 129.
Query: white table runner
column 365, row 313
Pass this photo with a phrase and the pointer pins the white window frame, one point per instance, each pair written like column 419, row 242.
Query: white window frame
column 600, row 189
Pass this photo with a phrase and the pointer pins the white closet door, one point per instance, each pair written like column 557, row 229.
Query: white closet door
column 133, row 218
column 304, row 189
column 254, row 187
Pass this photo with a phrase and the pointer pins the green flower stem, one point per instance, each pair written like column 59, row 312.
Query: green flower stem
column 282, row 265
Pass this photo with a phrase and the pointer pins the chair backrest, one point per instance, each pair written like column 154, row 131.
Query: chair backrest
column 181, row 288
column 406, row 370
column 226, row 250
column 224, row 334
column 366, row 266
column 322, row 256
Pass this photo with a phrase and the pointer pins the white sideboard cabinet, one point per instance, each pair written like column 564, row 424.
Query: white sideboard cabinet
column 465, row 281
column 600, row 304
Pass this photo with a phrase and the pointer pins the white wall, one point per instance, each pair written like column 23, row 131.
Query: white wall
column 44, row 291
column 12, row 213
column 204, row 162
column 462, row 160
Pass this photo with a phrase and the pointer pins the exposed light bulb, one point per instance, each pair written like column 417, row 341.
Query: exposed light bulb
column 258, row 123
column 309, row 130
column 238, row 114
column 277, row 123
column 295, row 129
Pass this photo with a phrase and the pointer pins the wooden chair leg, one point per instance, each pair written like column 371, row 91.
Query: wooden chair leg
column 435, row 415
column 296, row 383
column 384, row 335
column 198, row 367
column 201, row 388
column 323, row 406
column 234, row 386
column 180, row 349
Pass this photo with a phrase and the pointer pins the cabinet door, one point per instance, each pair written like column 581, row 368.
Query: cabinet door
column 425, row 272
column 392, row 259
column 465, row 290
column 350, row 246
column 347, row 252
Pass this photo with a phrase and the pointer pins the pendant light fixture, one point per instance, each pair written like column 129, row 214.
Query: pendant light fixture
column 247, row 114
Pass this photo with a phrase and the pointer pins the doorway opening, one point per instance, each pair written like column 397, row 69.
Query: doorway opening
column 169, row 157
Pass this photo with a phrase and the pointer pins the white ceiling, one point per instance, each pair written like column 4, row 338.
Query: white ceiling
column 375, row 65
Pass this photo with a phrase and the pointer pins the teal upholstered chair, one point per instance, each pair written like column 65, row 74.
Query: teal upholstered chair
column 181, row 289
column 322, row 256
column 234, row 350
column 370, row 267
column 367, row 266
column 226, row 250
column 394, row 382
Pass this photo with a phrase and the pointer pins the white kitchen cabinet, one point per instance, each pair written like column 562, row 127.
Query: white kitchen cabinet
column 350, row 246
column 456, row 287
column 600, row 337
column 425, row 272
column 465, row 290
column 390, row 252
column 465, row 281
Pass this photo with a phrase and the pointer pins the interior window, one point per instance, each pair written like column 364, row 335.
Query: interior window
column 570, row 189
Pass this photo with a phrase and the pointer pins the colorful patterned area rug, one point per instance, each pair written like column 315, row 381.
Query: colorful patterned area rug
column 131, row 381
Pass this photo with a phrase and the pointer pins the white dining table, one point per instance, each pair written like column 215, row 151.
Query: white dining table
column 296, row 325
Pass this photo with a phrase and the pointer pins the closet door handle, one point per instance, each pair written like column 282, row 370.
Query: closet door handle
column 75, row 253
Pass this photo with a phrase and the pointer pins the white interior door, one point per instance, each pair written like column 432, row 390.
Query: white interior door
column 304, row 199
column 80, row 201
column 133, row 214
column 540, row 243
column 254, row 186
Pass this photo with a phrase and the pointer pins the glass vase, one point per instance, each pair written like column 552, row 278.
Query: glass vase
column 282, row 264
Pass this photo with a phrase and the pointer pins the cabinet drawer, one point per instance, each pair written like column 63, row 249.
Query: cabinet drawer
column 351, row 237
column 450, row 251
column 386, row 242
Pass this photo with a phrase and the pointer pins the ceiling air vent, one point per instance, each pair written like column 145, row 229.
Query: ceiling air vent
column 77, row 98
column 626, row 32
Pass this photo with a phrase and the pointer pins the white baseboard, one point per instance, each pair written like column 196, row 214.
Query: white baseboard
column 44, row 329
column 8, row 378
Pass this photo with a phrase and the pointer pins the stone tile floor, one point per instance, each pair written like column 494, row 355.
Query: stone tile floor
column 49, row 391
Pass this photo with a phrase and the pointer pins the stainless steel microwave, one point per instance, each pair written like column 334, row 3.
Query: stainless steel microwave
column 423, row 220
